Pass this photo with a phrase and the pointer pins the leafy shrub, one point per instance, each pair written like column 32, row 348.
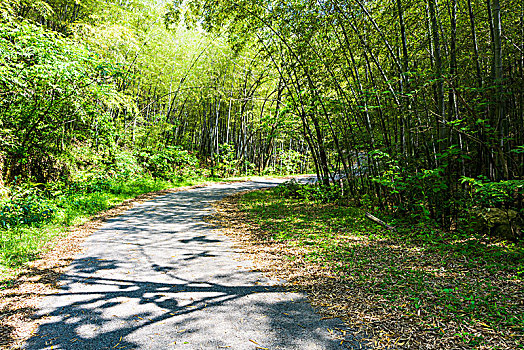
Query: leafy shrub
column 424, row 194
column 168, row 162
column 294, row 189
column 44, row 78
column 26, row 206
column 290, row 189
column 89, row 183
column 226, row 164
column 126, row 165
column 495, row 194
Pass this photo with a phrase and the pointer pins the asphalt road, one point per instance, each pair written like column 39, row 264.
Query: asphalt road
column 159, row 277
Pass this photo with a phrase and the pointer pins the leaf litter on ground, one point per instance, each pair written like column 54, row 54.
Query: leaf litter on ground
column 398, row 291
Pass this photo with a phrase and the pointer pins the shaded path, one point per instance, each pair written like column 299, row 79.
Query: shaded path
column 158, row 277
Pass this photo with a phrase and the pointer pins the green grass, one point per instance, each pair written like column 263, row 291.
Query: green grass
column 23, row 243
column 459, row 280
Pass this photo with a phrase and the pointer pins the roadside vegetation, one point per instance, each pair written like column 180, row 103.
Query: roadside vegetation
column 32, row 214
column 103, row 101
column 411, row 110
column 407, row 288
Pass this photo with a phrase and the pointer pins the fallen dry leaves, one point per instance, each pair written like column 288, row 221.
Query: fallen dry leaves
column 382, row 323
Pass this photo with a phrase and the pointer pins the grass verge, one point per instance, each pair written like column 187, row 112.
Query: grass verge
column 23, row 243
column 413, row 289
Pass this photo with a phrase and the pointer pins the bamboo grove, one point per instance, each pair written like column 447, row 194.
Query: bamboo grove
column 414, row 106
column 417, row 103
column 85, row 81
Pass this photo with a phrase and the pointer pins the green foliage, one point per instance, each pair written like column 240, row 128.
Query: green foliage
column 20, row 245
column 39, row 204
column 126, row 165
column 288, row 162
column 51, row 92
column 290, row 189
column 433, row 195
column 226, row 164
column 170, row 162
column 56, row 15
column 121, row 84
column 25, row 206
column 429, row 104
column 486, row 193
column 35, row 213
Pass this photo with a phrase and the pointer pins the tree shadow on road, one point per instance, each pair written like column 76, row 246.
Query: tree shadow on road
column 172, row 314
column 149, row 281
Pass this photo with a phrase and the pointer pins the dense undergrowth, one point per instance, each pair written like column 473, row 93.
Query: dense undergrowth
column 491, row 208
column 455, row 286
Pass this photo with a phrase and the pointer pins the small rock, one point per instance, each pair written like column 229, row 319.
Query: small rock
column 502, row 223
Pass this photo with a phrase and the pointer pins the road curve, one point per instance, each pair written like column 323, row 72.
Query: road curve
column 159, row 277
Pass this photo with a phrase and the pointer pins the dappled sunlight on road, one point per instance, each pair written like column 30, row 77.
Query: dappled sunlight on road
column 159, row 277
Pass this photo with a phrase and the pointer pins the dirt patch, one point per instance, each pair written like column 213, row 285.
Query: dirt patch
column 39, row 278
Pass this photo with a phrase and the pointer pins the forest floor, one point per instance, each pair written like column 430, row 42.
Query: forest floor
column 411, row 289
column 158, row 276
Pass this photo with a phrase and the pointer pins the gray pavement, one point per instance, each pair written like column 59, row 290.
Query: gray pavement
column 159, row 277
